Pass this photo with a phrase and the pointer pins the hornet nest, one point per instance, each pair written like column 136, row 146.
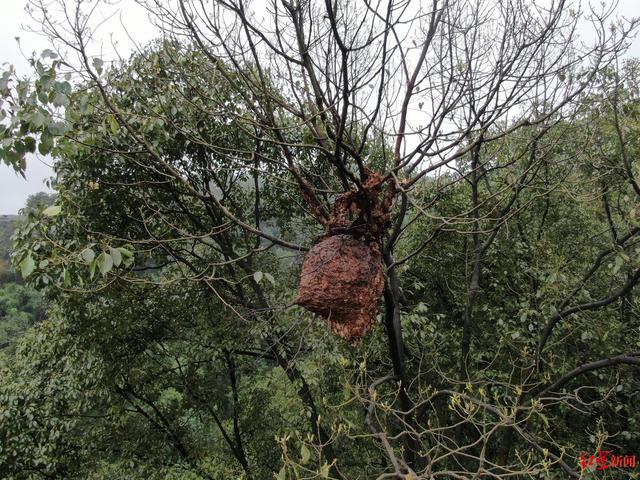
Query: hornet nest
column 342, row 276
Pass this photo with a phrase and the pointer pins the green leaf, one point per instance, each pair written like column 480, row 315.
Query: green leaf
column 38, row 119
column 43, row 97
column 324, row 471
column 113, row 123
column 30, row 144
column 84, row 100
column 127, row 256
column 282, row 474
column 305, row 455
column 116, row 256
column 257, row 276
column 104, row 262
column 269, row 277
column 58, row 128
column 47, row 53
column 125, row 253
column 26, row 266
column 60, row 100
column 88, row 255
column 545, row 420
column 46, row 143
column 52, row 211
column 619, row 262
column 97, row 64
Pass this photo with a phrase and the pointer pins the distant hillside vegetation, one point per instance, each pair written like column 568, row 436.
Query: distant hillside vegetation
column 20, row 305
column 7, row 225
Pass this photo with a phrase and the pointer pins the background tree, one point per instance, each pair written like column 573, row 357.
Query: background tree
column 20, row 305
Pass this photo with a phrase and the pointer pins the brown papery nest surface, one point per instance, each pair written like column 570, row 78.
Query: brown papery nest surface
column 342, row 276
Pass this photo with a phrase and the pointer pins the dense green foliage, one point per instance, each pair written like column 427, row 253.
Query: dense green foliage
column 20, row 305
column 19, row 310
column 7, row 223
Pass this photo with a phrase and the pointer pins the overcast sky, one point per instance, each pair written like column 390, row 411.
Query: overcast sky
column 14, row 190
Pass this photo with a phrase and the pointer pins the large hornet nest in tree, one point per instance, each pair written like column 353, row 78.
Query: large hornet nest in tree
column 342, row 276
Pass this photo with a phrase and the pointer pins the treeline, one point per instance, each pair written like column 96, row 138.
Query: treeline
column 21, row 306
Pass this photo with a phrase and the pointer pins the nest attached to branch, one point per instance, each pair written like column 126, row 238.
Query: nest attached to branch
column 342, row 276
